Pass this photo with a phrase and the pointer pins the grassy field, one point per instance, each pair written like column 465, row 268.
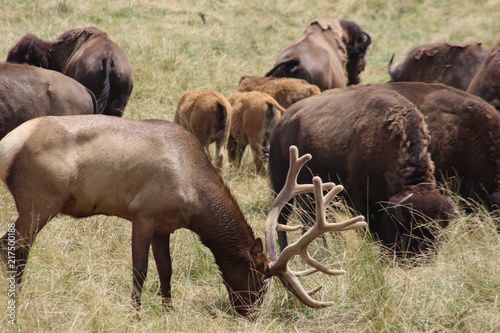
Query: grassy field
column 79, row 275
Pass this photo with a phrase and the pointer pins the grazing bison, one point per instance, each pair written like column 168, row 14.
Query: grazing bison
column 331, row 54
column 374, row 142
column 89, row 56
column 486, row 82
column 452, row 64
column 28, row 92
column 206, row 114
column 285, row 91
column 465, row 138
column 255, row 114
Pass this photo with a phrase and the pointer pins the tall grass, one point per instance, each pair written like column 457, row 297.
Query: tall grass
column 78, row 278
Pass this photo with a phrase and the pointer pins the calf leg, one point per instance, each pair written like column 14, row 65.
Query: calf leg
column 258, row 155
column 161, row 252
column 219, row 153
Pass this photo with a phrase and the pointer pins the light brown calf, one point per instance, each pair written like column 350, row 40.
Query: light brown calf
column 206, row 114
column 285, row 91
column 255, row 114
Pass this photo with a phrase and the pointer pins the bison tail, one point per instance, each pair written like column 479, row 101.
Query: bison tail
column 102, row 101
column 285, row 63
column 222, row 119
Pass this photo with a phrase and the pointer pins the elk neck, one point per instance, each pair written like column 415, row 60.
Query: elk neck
column 222, row 228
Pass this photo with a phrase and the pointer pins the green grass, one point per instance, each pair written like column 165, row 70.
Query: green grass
column 79, row 275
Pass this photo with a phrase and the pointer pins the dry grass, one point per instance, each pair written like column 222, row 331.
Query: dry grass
column 78, row 278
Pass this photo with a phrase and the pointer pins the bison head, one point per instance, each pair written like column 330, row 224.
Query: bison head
column 412, row 219
column 31, row 50
column 357, row 42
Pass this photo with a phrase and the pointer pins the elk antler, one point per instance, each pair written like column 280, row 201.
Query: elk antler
column 279, row 265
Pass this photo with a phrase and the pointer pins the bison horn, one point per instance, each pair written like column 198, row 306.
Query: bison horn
column 405, row 199
column 368, row 39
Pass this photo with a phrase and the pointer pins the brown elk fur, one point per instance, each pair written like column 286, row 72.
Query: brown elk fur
column 255, row 114
column 451, row 64
column 87, row 55
column 206, row 114
column 465, row 138
column 23, row 86
column 285, row 91
column 374, row 142
column 151, row 172
column 330, row 54
column 486, row 82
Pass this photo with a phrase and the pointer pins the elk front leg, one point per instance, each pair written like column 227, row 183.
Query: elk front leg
column 161, row 253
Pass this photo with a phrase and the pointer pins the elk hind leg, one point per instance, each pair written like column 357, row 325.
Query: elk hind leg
column 161, row 253
column 142, row 235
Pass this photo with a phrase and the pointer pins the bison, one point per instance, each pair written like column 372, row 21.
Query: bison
column 486, row 82
column 331, row 54
column 89, row 56
column 451, row 64
column 285, row 91
column 465, row 138
column 206, row 114
column 28, row 92
column 255, row 114
column 374, row 142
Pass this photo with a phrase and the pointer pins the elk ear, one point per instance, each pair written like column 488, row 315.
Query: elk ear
column 259, row 259
column 257, row 248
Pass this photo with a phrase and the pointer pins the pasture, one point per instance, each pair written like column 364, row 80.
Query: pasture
column 79, row 275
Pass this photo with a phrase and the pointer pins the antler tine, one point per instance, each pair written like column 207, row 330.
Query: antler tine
column 289, row 190
column 280, row 266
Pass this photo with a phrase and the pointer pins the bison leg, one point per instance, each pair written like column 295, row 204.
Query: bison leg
column 219, row 154
column 258, row 155
column 161, row 253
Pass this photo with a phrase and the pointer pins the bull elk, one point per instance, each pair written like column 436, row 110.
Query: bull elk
column 155, row 174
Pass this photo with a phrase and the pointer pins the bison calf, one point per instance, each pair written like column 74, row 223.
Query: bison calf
column 285, row 91
column 206, row 114
column 255, row 114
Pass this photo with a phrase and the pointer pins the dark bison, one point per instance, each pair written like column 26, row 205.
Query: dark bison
column 452, row 64
column 486, row 82
column 89, row 56
column 465, row 138
column 331, row 54
column 28, row 92
column 374, row 142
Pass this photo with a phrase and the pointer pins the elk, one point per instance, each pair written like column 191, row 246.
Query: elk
column 155, row 174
